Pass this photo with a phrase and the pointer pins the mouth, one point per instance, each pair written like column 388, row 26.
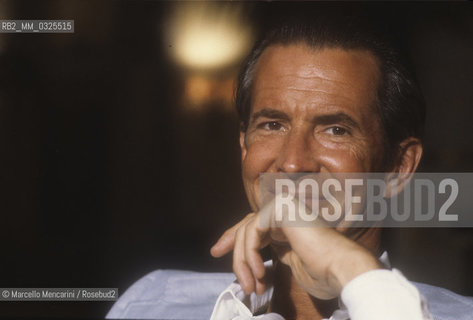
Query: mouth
column 309, row 201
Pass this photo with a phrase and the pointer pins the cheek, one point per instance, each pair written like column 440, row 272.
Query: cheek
column 260, row 156
column 346, row 159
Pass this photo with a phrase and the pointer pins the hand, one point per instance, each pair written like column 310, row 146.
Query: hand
column 322, row 260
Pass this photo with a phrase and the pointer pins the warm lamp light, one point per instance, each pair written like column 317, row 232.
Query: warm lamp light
column 208, row 36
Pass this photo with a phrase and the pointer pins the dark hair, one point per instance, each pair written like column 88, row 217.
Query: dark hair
column 400, row 103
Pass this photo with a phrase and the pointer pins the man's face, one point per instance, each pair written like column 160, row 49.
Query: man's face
column 313, row 110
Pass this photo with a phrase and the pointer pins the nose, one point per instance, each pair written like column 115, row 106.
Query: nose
column 298, row 154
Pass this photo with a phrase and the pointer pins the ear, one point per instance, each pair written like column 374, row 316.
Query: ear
column 408, row 159
column 242, row 142
column 410, row 153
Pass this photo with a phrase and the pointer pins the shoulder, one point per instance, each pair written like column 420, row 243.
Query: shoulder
column 445, row 304
column 171, row 294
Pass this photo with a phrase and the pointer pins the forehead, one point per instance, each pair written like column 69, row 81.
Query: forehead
column 325, row 77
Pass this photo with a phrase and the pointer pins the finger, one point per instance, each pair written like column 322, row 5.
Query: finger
column 226, row 242
column 255, row 239
column 260, row 286
column 240, row 267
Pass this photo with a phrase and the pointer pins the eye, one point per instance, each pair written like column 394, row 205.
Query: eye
column 272, row 126
column 337, row 131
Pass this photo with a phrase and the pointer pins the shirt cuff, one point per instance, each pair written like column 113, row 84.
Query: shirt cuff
column 383, row 294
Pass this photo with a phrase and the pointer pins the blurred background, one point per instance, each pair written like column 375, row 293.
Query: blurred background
column 119, row 143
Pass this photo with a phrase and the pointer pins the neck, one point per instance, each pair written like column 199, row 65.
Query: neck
column 294, row 303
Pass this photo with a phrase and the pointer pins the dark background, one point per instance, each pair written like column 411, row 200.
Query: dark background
column 105, row 175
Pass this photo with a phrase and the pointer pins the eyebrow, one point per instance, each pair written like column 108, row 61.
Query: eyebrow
column 338, row 117
column 269, row 113
column 326, row 119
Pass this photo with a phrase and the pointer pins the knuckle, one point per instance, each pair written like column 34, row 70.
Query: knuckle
column 249, row 216
column 228, row 233
column 240, row 232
